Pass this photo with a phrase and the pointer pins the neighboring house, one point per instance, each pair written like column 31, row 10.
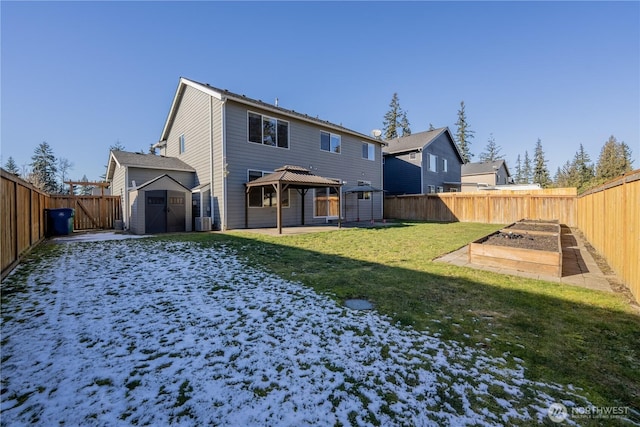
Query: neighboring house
column 220, row 141
column 485, row 175
column 421, row 163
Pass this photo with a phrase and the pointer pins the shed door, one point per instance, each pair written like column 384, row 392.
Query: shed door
column 155, row 216
column 176, row 211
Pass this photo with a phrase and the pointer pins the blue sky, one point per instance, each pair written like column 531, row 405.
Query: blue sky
column 85, row 75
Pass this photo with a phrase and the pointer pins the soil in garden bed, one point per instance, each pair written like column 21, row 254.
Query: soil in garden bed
column 534, row 226
column 524, row 241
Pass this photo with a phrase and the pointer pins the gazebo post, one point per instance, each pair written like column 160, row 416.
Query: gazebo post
column 279, row 208
column 246, row 207
column 339, row 207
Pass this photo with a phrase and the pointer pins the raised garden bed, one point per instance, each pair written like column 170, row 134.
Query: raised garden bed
column 531, row 246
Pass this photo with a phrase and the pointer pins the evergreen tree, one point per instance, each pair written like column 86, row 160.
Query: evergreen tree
column 395, row 119
column 518, row 171
column 464, row 135
column 491, row 152
column 527, row 171
column 540, row 171
column 581, row 170
column 86, row 190
column 615, row 160
column 152, row 149
column 117, row 146
column 43, row 168
column 12, row 167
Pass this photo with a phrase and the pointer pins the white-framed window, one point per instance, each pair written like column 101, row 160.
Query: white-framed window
column 445, row 165
column 364, row 195
column 368, row 151
column 267, row 130
column 326, row 203
column 433, row 163
column 261, row 197
column 431, row 189
column 182, row 145
column 330, row 142
column 439, row 190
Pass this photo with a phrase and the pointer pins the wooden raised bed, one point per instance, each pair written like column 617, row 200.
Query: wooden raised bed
column 547, row 261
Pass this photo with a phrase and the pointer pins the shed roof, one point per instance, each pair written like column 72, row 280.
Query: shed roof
column 145, row 161
column 294, row 177
column 158, row 178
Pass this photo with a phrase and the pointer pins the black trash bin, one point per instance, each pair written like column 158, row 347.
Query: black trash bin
column 60, row 221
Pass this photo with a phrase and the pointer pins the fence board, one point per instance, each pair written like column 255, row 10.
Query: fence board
column 483, row 207
column 91, row 212
column 609, row 217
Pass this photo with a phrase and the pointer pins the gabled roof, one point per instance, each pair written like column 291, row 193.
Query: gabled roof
column 294, row 177
column 158, row 178
column 223, row 94
column 144, row 161
column 418, row 141
column 481, row 168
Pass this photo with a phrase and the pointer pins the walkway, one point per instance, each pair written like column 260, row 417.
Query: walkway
column 578, row 266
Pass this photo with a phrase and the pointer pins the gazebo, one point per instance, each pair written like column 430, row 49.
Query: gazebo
column 285, row 178
column 362, row 189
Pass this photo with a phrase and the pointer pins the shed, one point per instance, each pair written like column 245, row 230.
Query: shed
column 161, row 205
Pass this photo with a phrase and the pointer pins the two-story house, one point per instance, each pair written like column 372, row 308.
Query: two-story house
column 422, row 163
column 230, row 140
column 485, row 175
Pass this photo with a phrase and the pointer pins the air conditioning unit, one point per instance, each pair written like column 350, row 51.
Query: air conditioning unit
column 203, row 223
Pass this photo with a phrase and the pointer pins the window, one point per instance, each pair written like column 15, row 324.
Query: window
column 329, row 142
column 264, row 197
column 368, row 151
column 439, row 190
column 268, row 131
column 364, row 195
column 445, row 165
column 182, row 145
column 431, row 189
column 432, row 163
column 325, row 202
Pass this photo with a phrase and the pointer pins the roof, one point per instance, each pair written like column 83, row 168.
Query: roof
column 481, row 168
column 223, row 94
column 294, row 177
column 418, row 141
column 157, row 178
column 145, row 161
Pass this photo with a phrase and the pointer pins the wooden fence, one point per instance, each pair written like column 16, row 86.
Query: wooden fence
column 91, row 212
column 489, row 208
column 609, row 217
column 23, row 220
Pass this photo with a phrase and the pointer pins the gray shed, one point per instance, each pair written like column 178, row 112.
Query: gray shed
column 161, row 205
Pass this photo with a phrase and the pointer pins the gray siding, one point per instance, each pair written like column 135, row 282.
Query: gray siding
column 304, row 150
column 140, row 176
column 118, row 188
column 402, row 174
column 442, row 148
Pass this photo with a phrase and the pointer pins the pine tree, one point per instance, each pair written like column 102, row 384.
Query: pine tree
column 12, row 167
column 117, row 146
column 491, row 152
column 43, row 168
column 615, row 160
column 518, row 171
column 582, row 169
column 527, row 171
column 464, row 135
column 540, row 171
column 86, row 190
column 395, row 119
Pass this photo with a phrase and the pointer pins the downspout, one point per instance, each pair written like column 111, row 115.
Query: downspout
column 126, row 198
column 211, row 180
column 223, row 131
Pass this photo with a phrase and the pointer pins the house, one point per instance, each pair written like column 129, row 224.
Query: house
column 421, row 163
column 485, row 175
column 215, row 142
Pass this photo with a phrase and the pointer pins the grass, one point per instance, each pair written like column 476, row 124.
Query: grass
column 561, row 334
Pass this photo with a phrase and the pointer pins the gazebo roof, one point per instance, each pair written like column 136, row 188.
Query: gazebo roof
column 293, row 177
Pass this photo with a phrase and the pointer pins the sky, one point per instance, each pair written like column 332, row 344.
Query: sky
column 84, row 76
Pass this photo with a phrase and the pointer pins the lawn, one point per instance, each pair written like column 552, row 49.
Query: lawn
column 244, row 329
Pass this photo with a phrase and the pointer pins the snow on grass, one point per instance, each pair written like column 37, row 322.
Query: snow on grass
column 150, row 332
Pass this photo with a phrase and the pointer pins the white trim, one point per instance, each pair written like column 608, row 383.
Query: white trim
column 223, row 222
column 331, row 135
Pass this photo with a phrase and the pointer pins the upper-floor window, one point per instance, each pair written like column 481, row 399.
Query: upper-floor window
column 445, row 165
column 268, row 131
column 432, row 163
column 364, row 195
column 182, row 144
column 329, row 142
column 368, row 151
